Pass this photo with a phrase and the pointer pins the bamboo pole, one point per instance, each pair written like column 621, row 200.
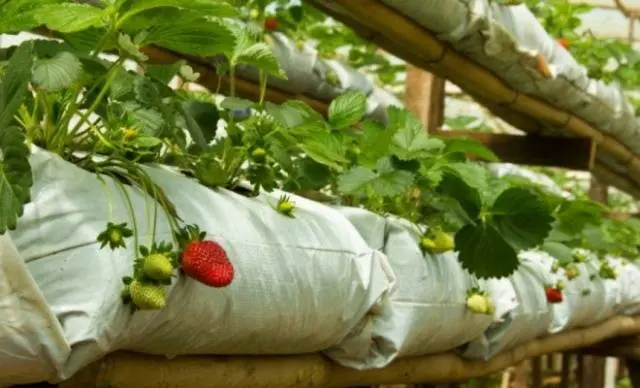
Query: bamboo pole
column 145, row 371
column 397, row 34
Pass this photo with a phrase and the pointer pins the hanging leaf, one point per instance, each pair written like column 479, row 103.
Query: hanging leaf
column 347, row 109
column 260, row 56
column 522, row 219
column 57, row 73
column 15, row 177
column 69, row 17
column 13, row 86
column 192, row 36
column 210, row 8
column 484, row 253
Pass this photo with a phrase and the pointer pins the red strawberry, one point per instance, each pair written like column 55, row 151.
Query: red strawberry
column 270, row 23
column 207, row 262
column 553, row 294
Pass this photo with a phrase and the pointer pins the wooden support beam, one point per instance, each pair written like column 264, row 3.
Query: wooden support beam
column 593, row 367
column 535, row 150
column 425, row 96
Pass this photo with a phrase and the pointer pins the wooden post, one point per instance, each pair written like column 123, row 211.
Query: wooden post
column 592, row 370
column 424, row 96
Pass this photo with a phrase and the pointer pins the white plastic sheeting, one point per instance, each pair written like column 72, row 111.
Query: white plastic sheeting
column 430, row 294
column 350, row 283
column 588, row 298
column 32, row 343
column 506, row 40
column 290, row 272
column 318, row 78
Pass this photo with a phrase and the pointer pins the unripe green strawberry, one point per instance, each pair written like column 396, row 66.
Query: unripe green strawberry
column 572, row 272
column 444, row 242
column 157, row 266
column 555, row 267
column 147, row 296
column 477, row 303
column 259, row 155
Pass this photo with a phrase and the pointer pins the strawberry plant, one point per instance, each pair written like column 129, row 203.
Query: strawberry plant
column 63, row 96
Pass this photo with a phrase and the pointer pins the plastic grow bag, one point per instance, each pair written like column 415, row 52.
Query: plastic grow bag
column 289, row 271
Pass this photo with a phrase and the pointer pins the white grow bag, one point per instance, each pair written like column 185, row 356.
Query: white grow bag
column 588, row 298
column 302, row 284
column 427, row 310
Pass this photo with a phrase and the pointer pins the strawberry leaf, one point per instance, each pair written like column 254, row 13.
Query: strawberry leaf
column 189, row 35
column 204, row 7
column 411, row 141
column 15, row 177
column 260, row 56
column 13, row 86
column 559, row 251
column 484, row 253
column 69, row 17
column 522, row 219
column 57, row 73
column 465, row 183
column 347, row 109
column 385, row 181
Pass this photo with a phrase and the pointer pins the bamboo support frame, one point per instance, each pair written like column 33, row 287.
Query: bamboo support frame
column 128, row 369
column 396, row 33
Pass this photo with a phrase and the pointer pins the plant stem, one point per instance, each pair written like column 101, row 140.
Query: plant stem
column 105, row 88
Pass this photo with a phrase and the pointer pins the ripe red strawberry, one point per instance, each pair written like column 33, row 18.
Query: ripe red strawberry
column 553, row 294
column 207, row 262
column 270, row 23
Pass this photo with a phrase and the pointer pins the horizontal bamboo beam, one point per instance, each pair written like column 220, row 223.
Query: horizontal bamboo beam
column 122, row 369
column 406, row 39
column 535, row 150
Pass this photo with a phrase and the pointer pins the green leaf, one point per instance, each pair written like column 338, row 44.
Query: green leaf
column 464, row 182
column 212, row 8
column 202, row 121
column 192, row 36
column 165, row 73
column 324, row 148
column 69, row 17
column 18, row 15
column 231, row 103
column 484, row 253
column 260, row 56
column 574, row 215
column 375, row 142
column 521, row 218
column 356, row 181
column 411, row 140
column 559, row 251
column 385, row 181
column 469, row 146
column 57, row 73
column 347, row 109
column 14, row 83
column 15, row 177
column 296, row 12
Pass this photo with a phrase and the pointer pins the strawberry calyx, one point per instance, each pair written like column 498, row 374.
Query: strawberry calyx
column 114, row 235
column 285, row 206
